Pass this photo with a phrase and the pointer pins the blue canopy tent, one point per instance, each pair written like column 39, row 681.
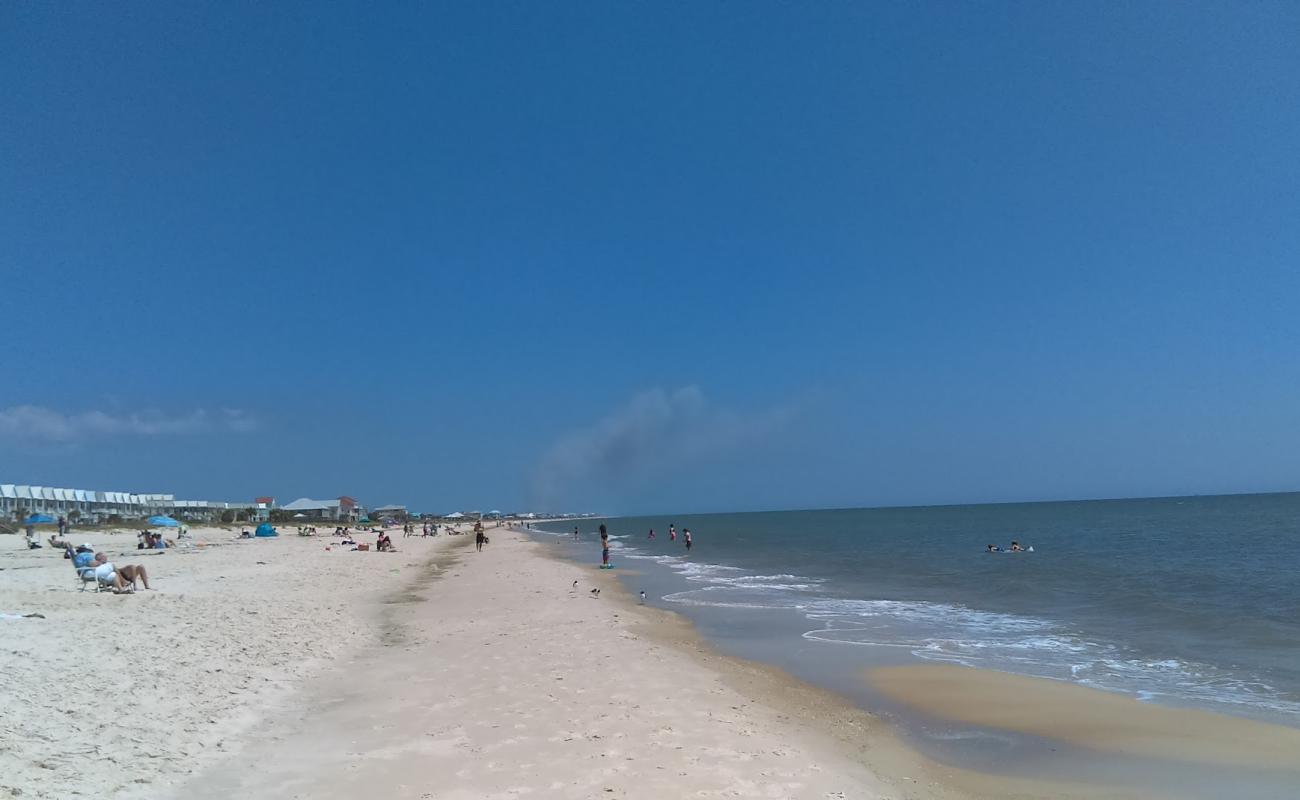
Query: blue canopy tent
column 40, row 519
column 164, row 521
column 265, row 529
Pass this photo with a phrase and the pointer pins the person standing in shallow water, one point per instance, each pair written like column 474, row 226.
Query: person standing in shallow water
column 604, row 546
column 672, row 533
column 686, row 534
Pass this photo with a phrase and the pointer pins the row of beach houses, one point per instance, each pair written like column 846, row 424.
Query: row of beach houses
column 91, row 505
column 18, row 501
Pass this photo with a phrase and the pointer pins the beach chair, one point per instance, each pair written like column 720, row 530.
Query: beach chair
column 85, row 575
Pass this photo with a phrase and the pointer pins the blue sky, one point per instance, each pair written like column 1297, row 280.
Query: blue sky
column 637, row 257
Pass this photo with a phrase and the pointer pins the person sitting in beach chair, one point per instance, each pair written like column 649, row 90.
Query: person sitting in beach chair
column 83, row 561
column 122, row 579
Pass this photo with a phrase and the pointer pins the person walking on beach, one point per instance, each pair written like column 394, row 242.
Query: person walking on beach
column 478, row 539
column 686, row 534
column 575, row 533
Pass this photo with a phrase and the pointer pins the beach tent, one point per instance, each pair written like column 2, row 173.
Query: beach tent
column 39, row 519
column 164, row 521
column 457, row 515
column 265, row 529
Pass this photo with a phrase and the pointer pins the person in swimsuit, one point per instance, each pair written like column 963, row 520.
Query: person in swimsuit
column 119, row 577
column 652, row 534
column 672, row 533
column 686, row 533
column 604, row 546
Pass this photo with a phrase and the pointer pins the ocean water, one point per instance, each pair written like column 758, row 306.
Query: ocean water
column 1186, row 601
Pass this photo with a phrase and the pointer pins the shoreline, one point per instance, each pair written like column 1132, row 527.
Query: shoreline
column 505, row 681
column 1103, row 721
column 1256, row 754
column 439, row 672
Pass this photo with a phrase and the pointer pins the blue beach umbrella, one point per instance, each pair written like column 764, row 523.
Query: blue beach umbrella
column 164, row 521
column 39, row 519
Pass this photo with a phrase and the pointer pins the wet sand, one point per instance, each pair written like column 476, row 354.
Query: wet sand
column 1098, row 720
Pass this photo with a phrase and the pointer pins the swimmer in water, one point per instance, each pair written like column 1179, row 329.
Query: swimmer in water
column 686, row 532
column 652, row 534
column 994, row 548
column 1016, row 548
column 672, row 533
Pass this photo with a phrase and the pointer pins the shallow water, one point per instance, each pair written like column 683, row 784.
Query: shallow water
column 1187, row 601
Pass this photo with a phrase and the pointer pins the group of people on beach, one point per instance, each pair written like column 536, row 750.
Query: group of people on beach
column 687, row 539
column 427, row 529
column 152, row 541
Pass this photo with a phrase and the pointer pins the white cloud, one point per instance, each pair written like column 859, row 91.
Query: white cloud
column 655, row 431
column 47, row 424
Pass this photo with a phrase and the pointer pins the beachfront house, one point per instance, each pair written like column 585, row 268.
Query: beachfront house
column 262, row 508
column 397, row 513
column 342, row 509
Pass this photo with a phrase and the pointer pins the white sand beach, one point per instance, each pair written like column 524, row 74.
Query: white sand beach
column 122, row 695
column 502, row 680
column 280, row 669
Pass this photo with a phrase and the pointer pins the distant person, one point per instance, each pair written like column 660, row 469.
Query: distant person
column 1016, row 548
column 652, row 534
column 604, row 546
column 686, row 534
column 63, row 527
column 994, row 549
column 31, row 537
column 478, row 540
column 575, row 533
column 672, row 533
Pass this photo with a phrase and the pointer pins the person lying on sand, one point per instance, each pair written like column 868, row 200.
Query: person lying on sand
column 119, row 578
